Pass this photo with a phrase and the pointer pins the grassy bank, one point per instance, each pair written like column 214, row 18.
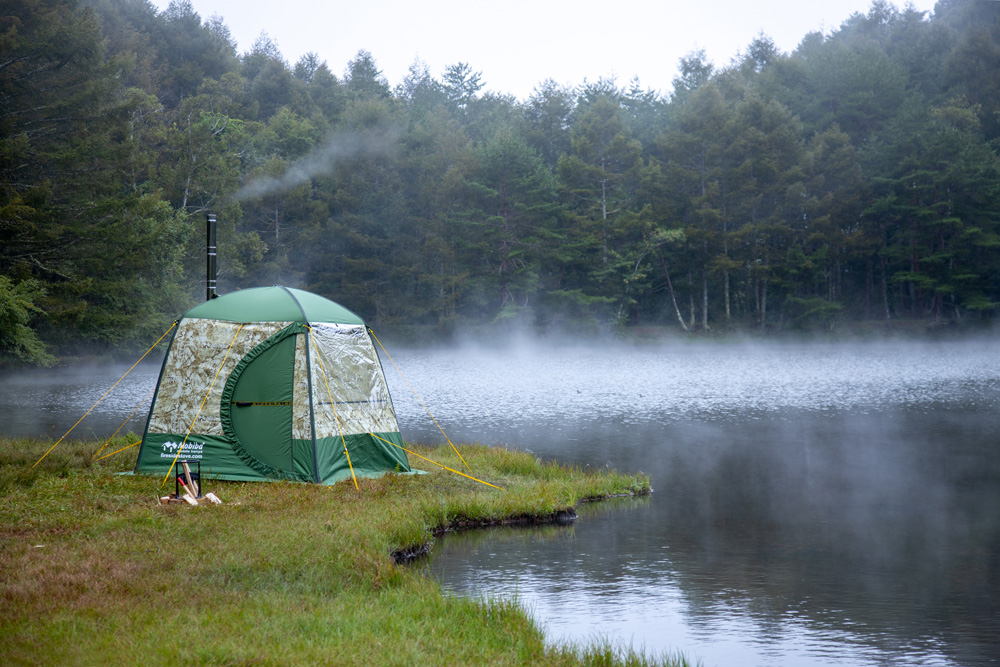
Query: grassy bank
column 93, row 570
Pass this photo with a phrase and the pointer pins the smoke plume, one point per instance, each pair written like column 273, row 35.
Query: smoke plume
column 376, row 141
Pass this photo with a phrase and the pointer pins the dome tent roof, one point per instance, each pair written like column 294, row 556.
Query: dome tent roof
column 273, row 304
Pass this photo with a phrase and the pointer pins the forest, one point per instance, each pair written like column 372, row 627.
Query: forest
column 851, row 183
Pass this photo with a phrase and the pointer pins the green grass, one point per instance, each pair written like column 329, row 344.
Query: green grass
column 94, row 571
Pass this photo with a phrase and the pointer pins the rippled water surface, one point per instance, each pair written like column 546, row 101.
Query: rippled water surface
column 814, row 504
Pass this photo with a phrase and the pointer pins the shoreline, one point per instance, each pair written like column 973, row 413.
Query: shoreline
column 95, row 570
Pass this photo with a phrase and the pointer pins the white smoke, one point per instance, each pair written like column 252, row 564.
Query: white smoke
column 378, row 141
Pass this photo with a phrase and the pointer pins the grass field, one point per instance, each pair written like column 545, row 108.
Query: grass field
column 95, row 571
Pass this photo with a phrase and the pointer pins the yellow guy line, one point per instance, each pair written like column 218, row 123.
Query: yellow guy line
column 105, row 394
column 120, row 450
column 141, row 403
column 197, row 414
column 336, row 418
column 421, row 402
column 436, row 463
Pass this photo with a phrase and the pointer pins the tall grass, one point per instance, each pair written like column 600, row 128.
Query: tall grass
column 93, row 570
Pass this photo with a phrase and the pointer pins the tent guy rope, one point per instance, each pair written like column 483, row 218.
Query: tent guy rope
column 105, row 394
column 420, row 399
column 141, row 403
column 118, row 450
column 439, row 464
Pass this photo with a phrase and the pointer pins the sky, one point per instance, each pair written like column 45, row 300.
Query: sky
column 517, row 44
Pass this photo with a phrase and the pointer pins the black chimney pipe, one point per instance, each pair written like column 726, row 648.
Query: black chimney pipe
column 211, row 287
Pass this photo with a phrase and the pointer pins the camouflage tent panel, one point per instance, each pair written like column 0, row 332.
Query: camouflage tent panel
column 199, row 354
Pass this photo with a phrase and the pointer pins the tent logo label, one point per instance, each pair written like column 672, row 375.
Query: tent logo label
column 193, row 450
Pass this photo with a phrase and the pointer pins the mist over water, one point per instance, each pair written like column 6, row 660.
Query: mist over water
column 661, row 385
column 48, row 402
column 814, row 504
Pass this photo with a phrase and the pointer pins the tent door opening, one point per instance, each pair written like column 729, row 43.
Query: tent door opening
column 260, row 409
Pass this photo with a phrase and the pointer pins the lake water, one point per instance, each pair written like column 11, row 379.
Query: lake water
column 814, row 504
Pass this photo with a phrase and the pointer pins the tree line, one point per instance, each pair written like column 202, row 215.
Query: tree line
column 853, row 180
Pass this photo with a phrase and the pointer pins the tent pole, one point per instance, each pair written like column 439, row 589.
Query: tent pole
column 312, row 406
column 211, row 273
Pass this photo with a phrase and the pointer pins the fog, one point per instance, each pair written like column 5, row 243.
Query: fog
column 48, row 402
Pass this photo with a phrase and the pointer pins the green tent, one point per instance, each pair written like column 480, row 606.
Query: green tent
column 272, row 383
